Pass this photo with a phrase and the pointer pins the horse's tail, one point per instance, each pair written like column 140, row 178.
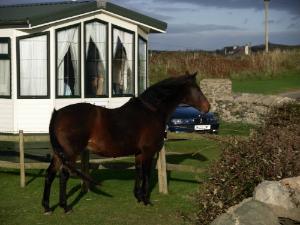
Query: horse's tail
column 53, row 140
column 58, row 150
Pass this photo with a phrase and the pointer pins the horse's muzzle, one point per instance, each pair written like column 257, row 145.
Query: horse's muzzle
column 205, row 107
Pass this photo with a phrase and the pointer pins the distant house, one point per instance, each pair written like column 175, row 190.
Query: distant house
column 56, row 54
column 232, row 50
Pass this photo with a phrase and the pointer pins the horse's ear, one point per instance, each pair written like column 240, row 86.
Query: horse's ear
column 193, row 75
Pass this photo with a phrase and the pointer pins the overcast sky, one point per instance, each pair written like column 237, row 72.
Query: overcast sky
column 212, row 24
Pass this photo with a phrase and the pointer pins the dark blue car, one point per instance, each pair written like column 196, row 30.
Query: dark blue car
column 188, row 119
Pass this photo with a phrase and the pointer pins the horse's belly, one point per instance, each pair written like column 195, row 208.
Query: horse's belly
column 113, row 150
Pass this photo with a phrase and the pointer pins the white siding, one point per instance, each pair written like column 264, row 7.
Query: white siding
column 6, row 116
column 97, row 101
column 60, row 103
column 117, row 102
column 33, row 115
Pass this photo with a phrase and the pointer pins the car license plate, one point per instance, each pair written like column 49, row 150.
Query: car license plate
column 202, row 127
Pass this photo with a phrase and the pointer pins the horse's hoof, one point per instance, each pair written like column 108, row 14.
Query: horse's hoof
column 138, row 197
column 147, row 202
column 68, row 210
column 48, row 212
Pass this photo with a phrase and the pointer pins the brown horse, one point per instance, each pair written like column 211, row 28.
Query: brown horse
column 136, row 128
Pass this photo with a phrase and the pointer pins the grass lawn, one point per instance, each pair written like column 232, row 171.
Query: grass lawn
column 113, row 203
column 287, row 81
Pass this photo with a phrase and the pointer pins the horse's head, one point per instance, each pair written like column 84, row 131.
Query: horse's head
column 194, row 96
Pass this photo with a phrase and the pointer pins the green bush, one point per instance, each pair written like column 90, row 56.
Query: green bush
column 272, row 152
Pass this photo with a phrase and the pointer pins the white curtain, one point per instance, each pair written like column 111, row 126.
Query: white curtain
column 75, row 62
column 4, row 77
column 3, row 48
column 33, row 66
column 124, row 76
column 97, row 32
column 142, row 65
column 67, row 39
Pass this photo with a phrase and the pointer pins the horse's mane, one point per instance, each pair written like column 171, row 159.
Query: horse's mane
column 164, row 89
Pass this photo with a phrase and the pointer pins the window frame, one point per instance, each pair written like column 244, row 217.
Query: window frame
column 113, row 26
column 138, row 77
column 107, row 57
column 79, row 62
column 18, row 39
column 7, row 57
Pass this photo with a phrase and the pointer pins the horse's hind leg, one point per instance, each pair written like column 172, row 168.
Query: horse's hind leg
column 64, row 176
column 49, row 177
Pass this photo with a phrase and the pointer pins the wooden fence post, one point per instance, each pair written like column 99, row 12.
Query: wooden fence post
column 162, row 171
column 85, row 167
column 22, row 161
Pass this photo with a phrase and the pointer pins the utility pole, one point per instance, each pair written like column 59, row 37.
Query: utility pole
column 267, row 25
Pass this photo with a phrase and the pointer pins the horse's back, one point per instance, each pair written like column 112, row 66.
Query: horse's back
column 76, row 115
column 73, row 124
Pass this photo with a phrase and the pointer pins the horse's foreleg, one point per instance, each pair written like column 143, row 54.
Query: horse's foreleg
column 64, row 176
column 146, row 170
column 138, row 179
column 143, row 167
column 49, row 177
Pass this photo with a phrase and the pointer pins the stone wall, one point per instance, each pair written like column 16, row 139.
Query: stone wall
column 249, row 108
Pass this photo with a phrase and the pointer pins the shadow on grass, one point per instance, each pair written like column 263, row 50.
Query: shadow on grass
column 77, row 189
column 70, row 194
column 34, row 176
column 176, row 139
column 36, row 155
column 179, row 158
column 114, row 171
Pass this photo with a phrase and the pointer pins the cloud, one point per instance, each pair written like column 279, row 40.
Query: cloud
column 174, row 9
column 144, row 7
column 294, row 26
column 278, row 21
column 206, row 41
column 272, row 22
column 156, row 15
column 13, row 2
column 291, row 6
column 187, row 29
column 211, row 41
column 295, row 18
